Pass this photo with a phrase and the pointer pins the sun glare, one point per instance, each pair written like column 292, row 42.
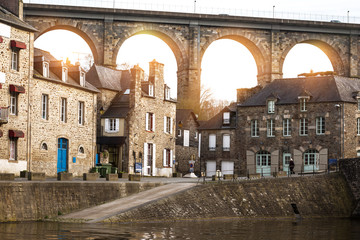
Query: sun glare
column 226, row 66
column 303, row 58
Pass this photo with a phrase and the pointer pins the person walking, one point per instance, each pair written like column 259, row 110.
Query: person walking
column 291, row 166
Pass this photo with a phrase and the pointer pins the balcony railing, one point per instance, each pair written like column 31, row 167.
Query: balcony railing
column 4, row 115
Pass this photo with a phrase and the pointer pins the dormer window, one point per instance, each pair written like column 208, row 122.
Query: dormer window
column 271, row 106
column 226, row 118
column 64, row 75
column 303, row 104
column 82, row 79
column 151, row 90
column 167, row 93
column 358, row 104
column 46, row 69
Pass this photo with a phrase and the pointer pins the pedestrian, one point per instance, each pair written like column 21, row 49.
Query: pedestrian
column 291, row 166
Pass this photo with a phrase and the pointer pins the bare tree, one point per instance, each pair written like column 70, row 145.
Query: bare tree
column 123, row 66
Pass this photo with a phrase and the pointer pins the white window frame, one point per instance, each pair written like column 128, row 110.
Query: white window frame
column 63, row 111
column 263, row 158
column 196, row 135
column 186, row 139
column 14, row 103
column 46, row 72
column 320, row 125
column 179, row 132
column 287, row 127
column 167, row 93
column 168, row 125
column 270, row 127
column 82, row 79
column 64, row 74
column 167, row 158
column 303, row 127
column 212, row 142
column 358, row 126
column 226, row 142
column 81, row 113
column 254, row 128
column 150, row 122
column 45, row 106
column 151, row 89
column 112, row 125
column 226, row 118
column 15, row 52
column 271, row 106
column 303, row 104
column 358, row 104
column 13, row 149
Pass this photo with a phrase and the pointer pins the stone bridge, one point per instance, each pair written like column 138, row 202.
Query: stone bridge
column 189, row 35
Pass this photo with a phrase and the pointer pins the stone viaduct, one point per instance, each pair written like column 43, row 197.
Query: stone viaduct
column 189, row 35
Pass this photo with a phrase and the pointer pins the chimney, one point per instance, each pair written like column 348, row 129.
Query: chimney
column 13, row 6
column 137, row 75
column 156, row 72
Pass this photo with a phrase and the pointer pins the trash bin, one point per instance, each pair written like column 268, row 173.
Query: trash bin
column 114, row 170
column 103, row 171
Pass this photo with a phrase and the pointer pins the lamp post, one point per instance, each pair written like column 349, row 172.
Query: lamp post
column 274, row 11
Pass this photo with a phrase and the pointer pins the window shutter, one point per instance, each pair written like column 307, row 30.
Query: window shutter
column 171, row 158
column 147, row 122
column 106, row 125
column 226, row 141
column 165, row 124
column 186, row 138
column 212, row 141
column 153, row 123
column 145, row 156
column 117, row 125
column 164, row 158
column 171, row 125
column 154, row 160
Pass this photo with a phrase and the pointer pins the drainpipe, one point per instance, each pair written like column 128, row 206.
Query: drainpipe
column 343, row 131
column 28, row 130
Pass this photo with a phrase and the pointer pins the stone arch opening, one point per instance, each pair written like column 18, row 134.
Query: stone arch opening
column 330, row 51
column 263, row 68
column 78, row 32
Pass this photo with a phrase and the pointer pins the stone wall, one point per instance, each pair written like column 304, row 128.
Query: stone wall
column 31, row 201
column 318, row 196
column 351, row 170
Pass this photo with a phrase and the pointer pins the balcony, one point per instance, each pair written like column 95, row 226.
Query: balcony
column 4, row 115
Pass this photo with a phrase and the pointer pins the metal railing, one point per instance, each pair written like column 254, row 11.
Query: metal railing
column 190, row 8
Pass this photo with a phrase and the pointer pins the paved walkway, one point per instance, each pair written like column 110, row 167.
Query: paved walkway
column 107, row 210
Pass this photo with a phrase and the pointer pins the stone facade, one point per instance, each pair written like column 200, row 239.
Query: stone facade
column 351, row 170
column 189, row 35
column 15, row 36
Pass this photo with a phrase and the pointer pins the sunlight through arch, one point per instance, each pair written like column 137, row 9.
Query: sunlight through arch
column 64, row 44
column 303, row 58
column 226, row 66
column 142, row 49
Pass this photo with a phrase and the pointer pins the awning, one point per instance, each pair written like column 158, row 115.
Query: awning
column 1, row 40
column 17, row 44
column 17, row 88
column 1, row 133
column 16, row 134
column 0, row 86
column 110, row 140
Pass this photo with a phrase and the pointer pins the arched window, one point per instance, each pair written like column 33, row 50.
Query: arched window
column 81, row 150
column 44, row 146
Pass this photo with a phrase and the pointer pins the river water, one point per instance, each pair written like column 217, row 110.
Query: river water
column 212, row 229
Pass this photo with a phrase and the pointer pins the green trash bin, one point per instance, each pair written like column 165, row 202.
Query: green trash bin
column 103, row 171
column 114, row 170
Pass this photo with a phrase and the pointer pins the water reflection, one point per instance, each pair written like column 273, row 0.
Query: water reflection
column 201, row 230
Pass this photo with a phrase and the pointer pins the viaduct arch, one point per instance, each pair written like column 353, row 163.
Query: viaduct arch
column 189, row 35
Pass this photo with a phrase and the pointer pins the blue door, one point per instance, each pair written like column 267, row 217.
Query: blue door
column 62, row 155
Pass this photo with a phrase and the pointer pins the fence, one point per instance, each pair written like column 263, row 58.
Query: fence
column 118, row 4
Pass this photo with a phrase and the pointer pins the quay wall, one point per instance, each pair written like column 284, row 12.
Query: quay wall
column 31, row 201
column 315, row 196
column 350, row 168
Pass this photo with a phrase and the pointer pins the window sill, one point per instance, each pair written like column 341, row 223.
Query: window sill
column 13, row 161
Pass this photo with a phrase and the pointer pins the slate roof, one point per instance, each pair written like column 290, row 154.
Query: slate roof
column 107, row 78
column 183, row 114
column 216, row 122
column 8, row 18
column 119, row 107
column 319, row 89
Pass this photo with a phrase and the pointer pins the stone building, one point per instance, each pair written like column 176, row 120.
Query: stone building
column 16, row 40
column 138, row 124
column 187, row 141
column 62, row 116
column 311, row 120
column 218, row 143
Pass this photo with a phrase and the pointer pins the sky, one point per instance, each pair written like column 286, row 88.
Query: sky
column 224, row 59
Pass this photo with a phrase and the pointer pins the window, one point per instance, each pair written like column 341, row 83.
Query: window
column 46, row 69
column 63, row 113
column 358, row 153
column 167, row 125
column 151, row 90
column 287, row 127
column 167, row 162
column 111, row 125
column 81, row 113
column 196, row 134
column 303, row 104
column 186, row 138
column 82, row 79
column 81, row 150
column 150, row 122
column 303, row 127
column 44, row 106
column 167, row 93
column 13, row 149
column 15, row 52
column 271, row 106
column 358, row 104
column 13, row 103
column 212, row 142
column 310, row 157
column 226, row 118
column 226, row 142
column 270, row 125
column 358, row 126
column 179, row 132
column 320, row 125
column 263, row 158
column 64, row 75
column 44, row 146
column 254, row 128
